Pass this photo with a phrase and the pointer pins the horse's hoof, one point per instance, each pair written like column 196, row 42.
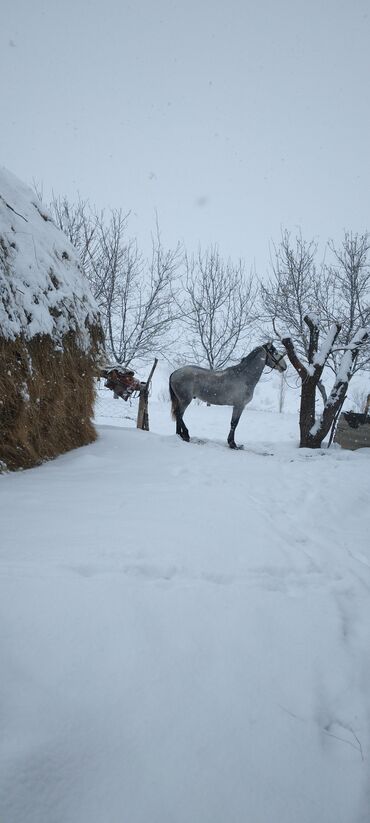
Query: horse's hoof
column 234, row 446
column 184, row 437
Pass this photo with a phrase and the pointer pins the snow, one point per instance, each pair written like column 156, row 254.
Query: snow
column 322, row 355
column 42, row 287
column 316, row 426
column 313, row 317
column 345, row 365
column 186, row 629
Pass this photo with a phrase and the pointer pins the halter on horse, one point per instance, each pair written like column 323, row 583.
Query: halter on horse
column 227, row 387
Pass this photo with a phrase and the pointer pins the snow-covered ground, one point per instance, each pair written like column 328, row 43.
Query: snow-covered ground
column 186, row 629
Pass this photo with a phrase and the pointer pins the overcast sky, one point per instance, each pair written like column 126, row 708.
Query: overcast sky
column 231, row 119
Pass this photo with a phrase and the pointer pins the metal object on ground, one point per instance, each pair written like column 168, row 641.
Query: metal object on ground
column 353, row 430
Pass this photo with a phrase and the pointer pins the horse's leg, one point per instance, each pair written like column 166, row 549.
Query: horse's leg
column 180, row 425
column 234, row 422
column 180, row 400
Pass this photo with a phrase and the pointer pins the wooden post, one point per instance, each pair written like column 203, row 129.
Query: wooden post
column 143, row 413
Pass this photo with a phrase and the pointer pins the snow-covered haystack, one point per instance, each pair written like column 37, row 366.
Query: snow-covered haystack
column 49, row 334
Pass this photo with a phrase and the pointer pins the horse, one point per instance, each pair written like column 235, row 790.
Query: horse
column 233, row 386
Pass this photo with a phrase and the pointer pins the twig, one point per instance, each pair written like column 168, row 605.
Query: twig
column 343, row 740
column 13, row 210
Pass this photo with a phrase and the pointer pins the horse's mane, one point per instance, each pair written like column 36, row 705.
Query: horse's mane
column 251, row 355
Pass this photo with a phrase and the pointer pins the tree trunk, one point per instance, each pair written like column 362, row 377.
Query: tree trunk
column 307, row 415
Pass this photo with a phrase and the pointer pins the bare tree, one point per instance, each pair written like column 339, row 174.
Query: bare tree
column 291, row 291
column 337, row 292
column 217, row 307
column 80, row 223
column 140, row 307
column 134, row 294
column 334, row 299
column 314, row 429
column 343, row 295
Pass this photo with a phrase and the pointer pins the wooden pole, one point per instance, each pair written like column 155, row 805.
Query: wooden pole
column 335, row 421
column 143, row 413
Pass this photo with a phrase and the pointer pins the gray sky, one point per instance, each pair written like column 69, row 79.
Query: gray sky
column 232, row 119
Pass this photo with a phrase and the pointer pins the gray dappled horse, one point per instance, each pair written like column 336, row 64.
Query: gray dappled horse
column 227, row 387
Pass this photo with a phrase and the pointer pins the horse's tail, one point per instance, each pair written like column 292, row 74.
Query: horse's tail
column 174, row 401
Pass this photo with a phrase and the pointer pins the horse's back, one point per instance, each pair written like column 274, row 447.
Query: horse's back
column 186, row 374
column 212, row 386
column 182, row 379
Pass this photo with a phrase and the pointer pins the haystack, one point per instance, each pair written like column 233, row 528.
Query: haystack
column 50, row 334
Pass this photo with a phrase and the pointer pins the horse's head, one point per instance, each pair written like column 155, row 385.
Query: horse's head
column 273, row 358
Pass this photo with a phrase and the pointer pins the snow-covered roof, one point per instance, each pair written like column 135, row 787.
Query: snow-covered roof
column 42, row 287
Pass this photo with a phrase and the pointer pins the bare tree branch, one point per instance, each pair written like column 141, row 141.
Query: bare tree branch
column 134, row 294
column 218, row 307
column 293, row 357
